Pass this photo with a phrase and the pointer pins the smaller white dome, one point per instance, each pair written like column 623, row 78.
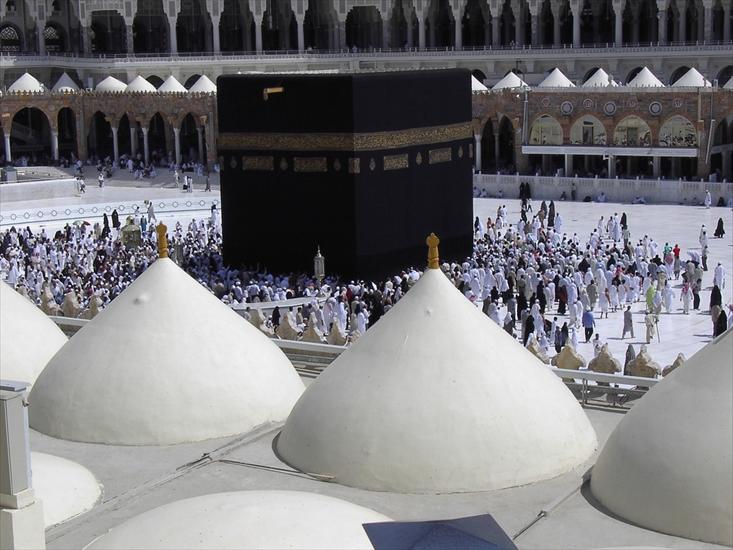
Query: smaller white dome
column 477, row 86
column 203, row 85
column 556, row 79
column 139, row 84
column 111, row 84
column 26, row 83
column 692, row 79
column 729, row 85
column 66, row 488
column 172, row 85
column 511, row 80
column 600, row 79
column 246, row 519
column 65, row 84
column 645, row 79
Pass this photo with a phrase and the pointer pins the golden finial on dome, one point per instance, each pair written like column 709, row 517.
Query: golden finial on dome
column 433, row 259
column 162, row 232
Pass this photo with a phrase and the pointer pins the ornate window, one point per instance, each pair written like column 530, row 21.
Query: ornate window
column 632, row 132
column 9, row 39
column 546, row 131
column 677, row 131
column 588, row 130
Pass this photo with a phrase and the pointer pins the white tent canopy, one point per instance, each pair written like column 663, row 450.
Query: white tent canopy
column 645, row 79
column 511, row 80
column 599, row 79
column 477, row 86
column 65, row 84
column 668, row 465
column 172, row 85
column 111, row 84
column 692, row 79
column 556, row 79
column 203, row 85
column 139, row 84
column 26, row 83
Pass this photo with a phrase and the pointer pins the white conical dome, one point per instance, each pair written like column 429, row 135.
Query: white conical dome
column 511, row 80
column 729, row 84
column 28, row 338
column 111, row 84
column 246, row 519
column 65, row 84
column 692, row 79
column 477, row 86
column 645, row 79
column 172, row 85
column 667, row 466
column 26, row 83
column 139, row 84
column 435, row 397
column 164, row 363
column 600, row 79
column 66, row 488
column 203, row 85
column 556, row 79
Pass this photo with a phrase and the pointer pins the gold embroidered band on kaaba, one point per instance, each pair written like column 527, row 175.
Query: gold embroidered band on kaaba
column 372, row 141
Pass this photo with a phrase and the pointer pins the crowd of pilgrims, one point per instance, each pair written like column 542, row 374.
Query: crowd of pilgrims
column 522, row 274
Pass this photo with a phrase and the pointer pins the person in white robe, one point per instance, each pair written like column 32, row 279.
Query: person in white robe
column 667, row 296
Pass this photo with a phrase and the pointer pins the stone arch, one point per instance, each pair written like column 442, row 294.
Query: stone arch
column 66, row 125
column 54, row 38
column 678, row 73
column 440, row 25
column 545, row 130
column 194, row 31
column 159, row 138
column 695, row 16
column 236, row 27
column 279, row 27
column 150, row 28
column 488, row 146
column 475, row 24
column 191, row 80
column 677, row 131
column 632, row 73
column 507, row 23
column 640, row 21
column 724, row 75
column 403, row 26
column 124, row 139
column 588, row 130
column 189, row 138
column 479, row 75
column 108, row 32
column 632, row 131
column 11, row 38
column 506, row 158
column 30, row 135
column 364, row 28
column 99, row 136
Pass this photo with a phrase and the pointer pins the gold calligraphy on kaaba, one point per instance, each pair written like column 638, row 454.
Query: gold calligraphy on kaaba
column 372, row 141
column 310, row 164
column 396, row 162
column 444, row 154
column 354, row 165
column 266, row 164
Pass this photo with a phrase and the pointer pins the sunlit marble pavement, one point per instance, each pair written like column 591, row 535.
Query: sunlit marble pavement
column 678, row 333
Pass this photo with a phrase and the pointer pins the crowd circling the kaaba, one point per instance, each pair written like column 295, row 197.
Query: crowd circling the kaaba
column 523, row 274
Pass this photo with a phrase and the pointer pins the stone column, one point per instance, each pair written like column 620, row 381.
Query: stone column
column 177, row 138
column 556, row 6
column 726, row 20
column 86, row 41
column 656, row 167
column 611, row 166
column 577, row 8
column 421, row 29
column 133, row 140
column 129, row 39
column 115, row 144
column 568, row 166
column 172, row 35
column 495, row 31
column 8, row 155
column 497, row 148
column 386, row 34
column 258, row 33
column 200, row 135
column 477, row 152
column 536, row 41
column 40, row 27
column 410, row 37
column 216, row 39
column 518, row 11
column 341, row 32
column 662, row 21
column 146, row 145
column 682, row 21
column 618, row 15
column 708, row 34
column 726, row 172
column 55, row 144
column 299, row 19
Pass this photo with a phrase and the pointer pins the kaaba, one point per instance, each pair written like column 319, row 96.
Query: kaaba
column 362, row 165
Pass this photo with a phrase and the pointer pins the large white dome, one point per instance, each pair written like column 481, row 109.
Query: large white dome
column 667, row 466
column 164, row 363
column 66, row 488
column 246, row 519
column 436, row 398
column 28, row 338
